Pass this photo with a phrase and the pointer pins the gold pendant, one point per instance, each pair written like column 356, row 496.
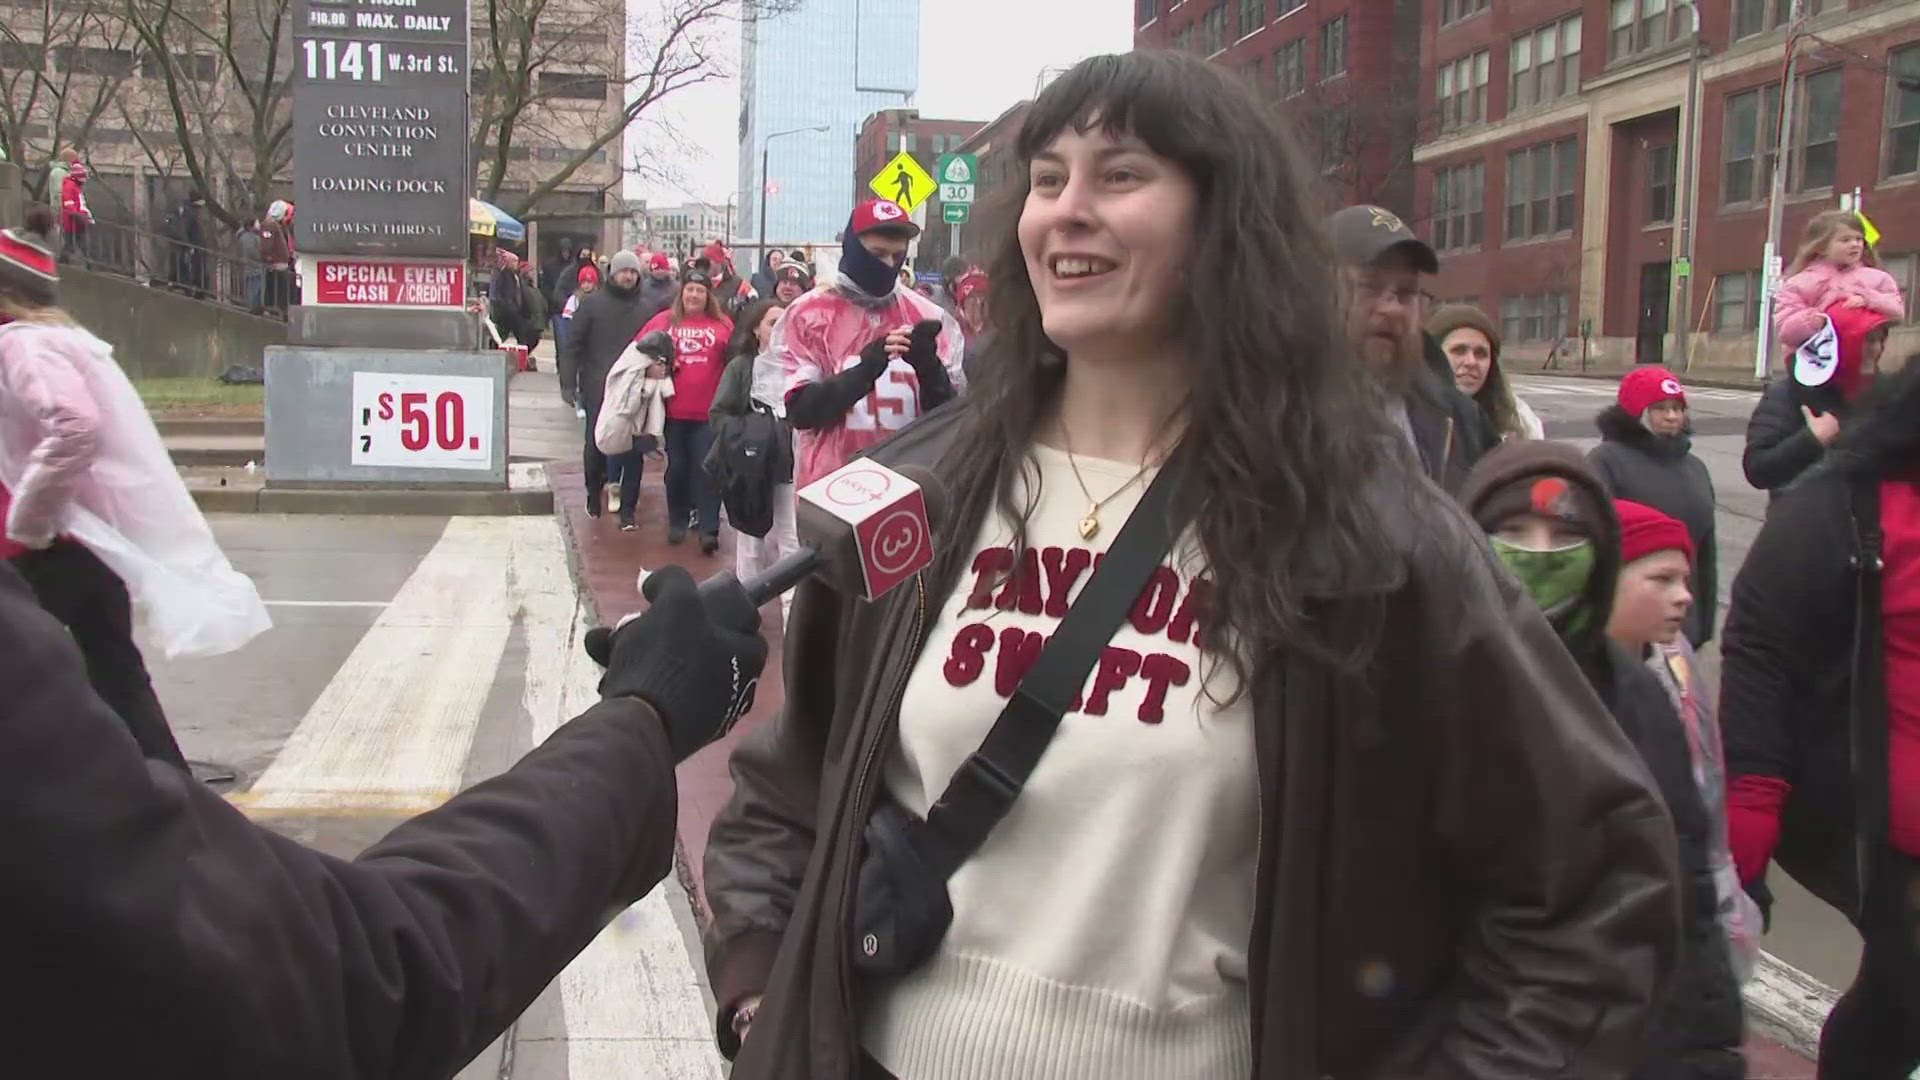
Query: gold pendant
column 1089, row 524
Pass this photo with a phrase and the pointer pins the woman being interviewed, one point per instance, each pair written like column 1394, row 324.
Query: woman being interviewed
column 1248, row 850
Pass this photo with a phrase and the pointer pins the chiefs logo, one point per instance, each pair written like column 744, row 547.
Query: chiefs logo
column 887, row 211
column 1670, row 387
column 1549, row 497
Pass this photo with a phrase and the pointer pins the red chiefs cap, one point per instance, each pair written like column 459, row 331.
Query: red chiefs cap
column 1648, row 385
column 882, row 215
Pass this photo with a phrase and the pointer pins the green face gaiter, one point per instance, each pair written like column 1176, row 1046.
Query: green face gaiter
column 1557, row 581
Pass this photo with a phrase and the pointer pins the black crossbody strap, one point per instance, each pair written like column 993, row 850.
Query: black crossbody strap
column 985, row 786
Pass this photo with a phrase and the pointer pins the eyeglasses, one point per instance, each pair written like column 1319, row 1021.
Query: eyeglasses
column 1406, row 295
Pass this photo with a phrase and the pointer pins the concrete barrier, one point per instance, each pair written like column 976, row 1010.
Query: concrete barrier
column 159, row 334
column 12, row 195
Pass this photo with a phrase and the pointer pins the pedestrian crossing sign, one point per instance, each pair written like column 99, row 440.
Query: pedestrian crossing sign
column 904, row 181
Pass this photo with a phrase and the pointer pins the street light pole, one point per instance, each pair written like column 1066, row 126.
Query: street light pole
column 1776, row 199
column 760, row 254
column 1683, row 317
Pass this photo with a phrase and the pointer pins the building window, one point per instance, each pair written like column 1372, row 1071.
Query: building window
column 1752, row 138
column 1288, row 7
column 566, row 84
column 1183, row 38
column 1540, row 189
column 1335, row 122
column 1290, row 68
column 1252, row 14
column 1905, row 269
column 1735, row 300
column 85, row 60
column 1455, row 10
column 1639, row 26
column 1903, row 112
column 1817, row 148
column 1463, row 91
column 1333, row 47
column 1215, row 24
column 1145, row 11
column 1660, row 183
column 1752, row 17
column 1459, row 206
column 1538, row 317
column 1545, row 64
column 23, row 56
column 198, row 67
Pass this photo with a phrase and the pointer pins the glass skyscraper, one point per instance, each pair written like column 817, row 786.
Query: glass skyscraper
column 832, row 62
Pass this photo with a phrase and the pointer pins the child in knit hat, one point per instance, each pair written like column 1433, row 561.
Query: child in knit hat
column 1551, row 523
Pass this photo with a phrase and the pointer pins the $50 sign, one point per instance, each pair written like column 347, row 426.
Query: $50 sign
column 422, row 421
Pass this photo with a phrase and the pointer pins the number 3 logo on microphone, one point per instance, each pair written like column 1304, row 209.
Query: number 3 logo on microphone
column 896, row 541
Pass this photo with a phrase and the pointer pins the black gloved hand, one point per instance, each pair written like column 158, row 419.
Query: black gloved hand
column 698, row 674
column 874, row 357
column 923, row 348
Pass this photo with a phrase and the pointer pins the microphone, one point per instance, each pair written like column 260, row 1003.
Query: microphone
column 864, row 528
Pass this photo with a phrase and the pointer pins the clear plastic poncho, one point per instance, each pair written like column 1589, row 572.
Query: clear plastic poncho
column 127, row 504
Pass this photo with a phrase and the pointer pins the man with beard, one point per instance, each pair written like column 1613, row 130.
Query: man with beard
column 605, row 323
column 864, row 355
column 1384, row 261
column 659, row 288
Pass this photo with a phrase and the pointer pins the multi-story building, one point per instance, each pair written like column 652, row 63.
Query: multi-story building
column 823, row 64
column 1566, row 157
column 1336, row 66
column 992, row 147
column 682, row 231
column 74, row 72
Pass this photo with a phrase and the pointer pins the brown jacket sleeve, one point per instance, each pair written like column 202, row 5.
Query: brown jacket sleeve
column 1556, row 824
column 146, row 907
column 758, row 851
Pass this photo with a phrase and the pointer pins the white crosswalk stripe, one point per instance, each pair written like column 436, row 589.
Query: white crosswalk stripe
column 394, row 728
column 1594, row 389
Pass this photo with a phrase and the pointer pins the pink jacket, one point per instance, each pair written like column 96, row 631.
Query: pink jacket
column 41, row 372
column 1803, row 299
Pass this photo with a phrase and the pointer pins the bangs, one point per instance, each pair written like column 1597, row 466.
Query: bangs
column 1146, row 94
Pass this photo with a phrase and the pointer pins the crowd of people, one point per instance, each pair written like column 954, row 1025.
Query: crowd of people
column 1394, row 758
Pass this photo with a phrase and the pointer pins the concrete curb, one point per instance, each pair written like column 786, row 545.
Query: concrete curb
column 204, row 426
column 193, row 457
column 1789, row 1004
column 237, row 500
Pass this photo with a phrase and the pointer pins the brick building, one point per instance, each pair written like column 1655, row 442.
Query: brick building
column 992, row 146
column 1555, row 177
column 1336, row 66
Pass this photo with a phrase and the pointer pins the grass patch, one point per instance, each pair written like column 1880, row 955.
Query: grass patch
column 201, row 397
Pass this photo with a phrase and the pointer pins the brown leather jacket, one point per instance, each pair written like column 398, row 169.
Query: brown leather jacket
column 1464, row 870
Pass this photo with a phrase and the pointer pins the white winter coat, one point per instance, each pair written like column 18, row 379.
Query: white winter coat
column 634, row 405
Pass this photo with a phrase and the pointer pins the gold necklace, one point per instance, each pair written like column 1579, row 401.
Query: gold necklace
column 1090, row 525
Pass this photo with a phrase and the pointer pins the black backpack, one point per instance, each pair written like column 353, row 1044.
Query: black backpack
column 751, row 455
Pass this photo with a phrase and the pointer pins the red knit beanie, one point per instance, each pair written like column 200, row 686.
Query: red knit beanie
column 1646, row 386
column 1644, row 530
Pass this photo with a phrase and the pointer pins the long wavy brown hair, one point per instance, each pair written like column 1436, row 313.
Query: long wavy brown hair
column 1281, row 429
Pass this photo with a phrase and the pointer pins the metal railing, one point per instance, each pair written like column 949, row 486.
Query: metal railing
column 214, row 275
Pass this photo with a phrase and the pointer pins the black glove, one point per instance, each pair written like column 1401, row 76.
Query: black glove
column 923, row 347
column 698, row 673
column 873, row 358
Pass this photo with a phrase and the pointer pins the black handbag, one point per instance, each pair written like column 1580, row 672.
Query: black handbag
column 901, row 909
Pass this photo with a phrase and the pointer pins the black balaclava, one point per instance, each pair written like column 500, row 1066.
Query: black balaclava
column 875, row 276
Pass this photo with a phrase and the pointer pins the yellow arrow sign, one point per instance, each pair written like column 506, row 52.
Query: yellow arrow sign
column 903, row 181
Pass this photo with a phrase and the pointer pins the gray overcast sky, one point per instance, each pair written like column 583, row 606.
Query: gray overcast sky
column 976, row 58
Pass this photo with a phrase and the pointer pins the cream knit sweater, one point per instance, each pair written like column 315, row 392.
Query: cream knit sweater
column 1101, row 932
